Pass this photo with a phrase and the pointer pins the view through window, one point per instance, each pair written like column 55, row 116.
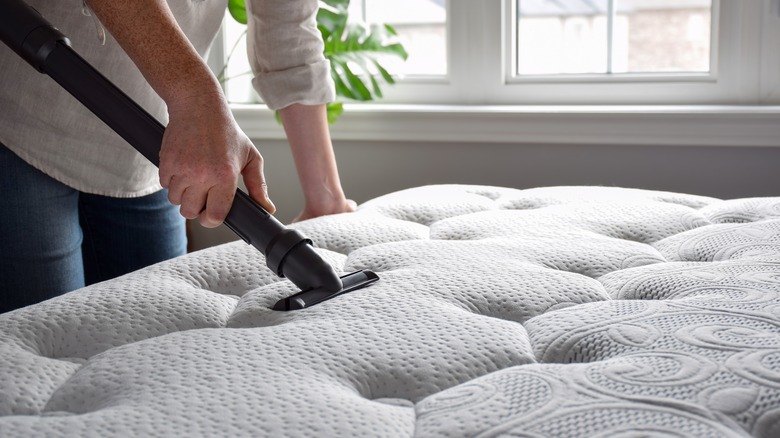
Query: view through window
column 558, row 51
column 612, row 36
column 421, row 27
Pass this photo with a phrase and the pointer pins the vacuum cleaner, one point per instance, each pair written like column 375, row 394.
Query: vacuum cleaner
column 288, row 253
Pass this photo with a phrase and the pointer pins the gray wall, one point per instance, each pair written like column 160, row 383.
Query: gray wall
column 371, row 169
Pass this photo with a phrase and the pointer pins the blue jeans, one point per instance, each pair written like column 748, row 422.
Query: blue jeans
column 54, row 239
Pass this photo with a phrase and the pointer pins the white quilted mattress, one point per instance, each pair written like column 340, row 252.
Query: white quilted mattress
column 550, row 312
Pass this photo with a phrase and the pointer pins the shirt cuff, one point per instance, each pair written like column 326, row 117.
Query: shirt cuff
column 307, row 84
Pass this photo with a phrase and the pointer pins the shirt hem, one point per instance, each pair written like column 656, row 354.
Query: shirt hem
column 76, row 185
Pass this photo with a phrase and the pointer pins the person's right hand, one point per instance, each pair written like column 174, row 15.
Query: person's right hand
column 202, row 155
column 203, row 151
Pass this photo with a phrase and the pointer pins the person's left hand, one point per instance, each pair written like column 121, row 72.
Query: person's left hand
column 342, row 206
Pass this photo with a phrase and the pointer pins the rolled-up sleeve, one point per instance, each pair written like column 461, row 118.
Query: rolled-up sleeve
column 285, row 51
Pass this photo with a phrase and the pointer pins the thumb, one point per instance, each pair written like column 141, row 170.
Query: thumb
column 255, row 182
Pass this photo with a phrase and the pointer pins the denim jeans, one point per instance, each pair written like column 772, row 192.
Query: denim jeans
column 54, row 239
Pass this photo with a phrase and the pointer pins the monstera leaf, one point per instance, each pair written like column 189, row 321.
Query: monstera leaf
column 357, row 52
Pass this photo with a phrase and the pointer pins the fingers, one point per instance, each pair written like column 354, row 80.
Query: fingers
column 212, row 204
column 192, row 202
column 218, row 203
column 176, row 188
column 201, row 173
column 255, row 182
column 209, row 204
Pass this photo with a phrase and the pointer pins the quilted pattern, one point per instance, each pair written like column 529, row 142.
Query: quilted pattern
column 561, row 311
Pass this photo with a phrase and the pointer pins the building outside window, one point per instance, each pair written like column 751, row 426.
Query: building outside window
column 618, row 36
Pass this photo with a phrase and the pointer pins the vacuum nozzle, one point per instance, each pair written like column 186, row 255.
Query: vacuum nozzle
column 290, row 254
column 308, row 298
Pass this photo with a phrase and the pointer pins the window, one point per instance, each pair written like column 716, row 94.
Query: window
column 587, row 52
column 612, row 36
column 569, row 52
column 525, row 53
column 421, row 27
column 234, row 72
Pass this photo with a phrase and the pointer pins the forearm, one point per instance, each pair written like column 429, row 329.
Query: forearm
column 147, row 31
column 308, row 134
column 203, row 152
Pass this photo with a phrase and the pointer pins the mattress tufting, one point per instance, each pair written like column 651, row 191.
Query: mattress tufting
column 548, row 312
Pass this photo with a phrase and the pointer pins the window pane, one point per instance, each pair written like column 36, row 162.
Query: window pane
column 237, row 75
column 421, row 27
column 651, row 36
column 662, row 36
column 557, row 37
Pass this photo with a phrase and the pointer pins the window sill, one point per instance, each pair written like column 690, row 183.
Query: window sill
column 618, row 125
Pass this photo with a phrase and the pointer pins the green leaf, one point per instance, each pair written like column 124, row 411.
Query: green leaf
column 375, row 85
column 390, row 30
column 237, row 10
column 397, row 49
column 341, row 5
column 355, row 45
column 385, row 74
column 330, row 22
column 335, row 110
column 341, row 87
column 359, row 89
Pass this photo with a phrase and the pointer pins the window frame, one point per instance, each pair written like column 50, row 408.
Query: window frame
column 481, row 47
column 511, row 56
column 717, row 110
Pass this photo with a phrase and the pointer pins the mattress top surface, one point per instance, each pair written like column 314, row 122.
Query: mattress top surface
column 560, row 311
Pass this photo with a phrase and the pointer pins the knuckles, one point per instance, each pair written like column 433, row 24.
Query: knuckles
column 189, row 211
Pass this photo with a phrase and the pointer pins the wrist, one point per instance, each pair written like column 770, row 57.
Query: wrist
column 194, row 85
column 324, row 197
column 312, row 211
column 196, row 99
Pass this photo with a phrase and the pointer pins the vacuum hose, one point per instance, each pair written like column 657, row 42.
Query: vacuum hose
column 288, row 253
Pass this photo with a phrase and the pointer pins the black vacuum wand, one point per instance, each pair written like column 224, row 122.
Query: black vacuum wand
column 288, row 252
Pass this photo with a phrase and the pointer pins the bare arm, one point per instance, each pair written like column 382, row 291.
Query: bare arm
column 204, row 151
column 293, row 76
column 309, row 137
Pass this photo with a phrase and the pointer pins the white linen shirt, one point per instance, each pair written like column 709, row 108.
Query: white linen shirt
column 49, row 129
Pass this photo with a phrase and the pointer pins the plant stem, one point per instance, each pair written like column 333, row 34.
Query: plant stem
column 221, row 76
column 238, row 75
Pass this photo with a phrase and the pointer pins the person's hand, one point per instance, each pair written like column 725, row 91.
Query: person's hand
column 202, row 155
column 326, row 208
column 203, row 150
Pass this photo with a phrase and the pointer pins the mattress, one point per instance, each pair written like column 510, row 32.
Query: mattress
column 547, row 312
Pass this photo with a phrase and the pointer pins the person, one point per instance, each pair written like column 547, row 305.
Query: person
column 80, row 206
